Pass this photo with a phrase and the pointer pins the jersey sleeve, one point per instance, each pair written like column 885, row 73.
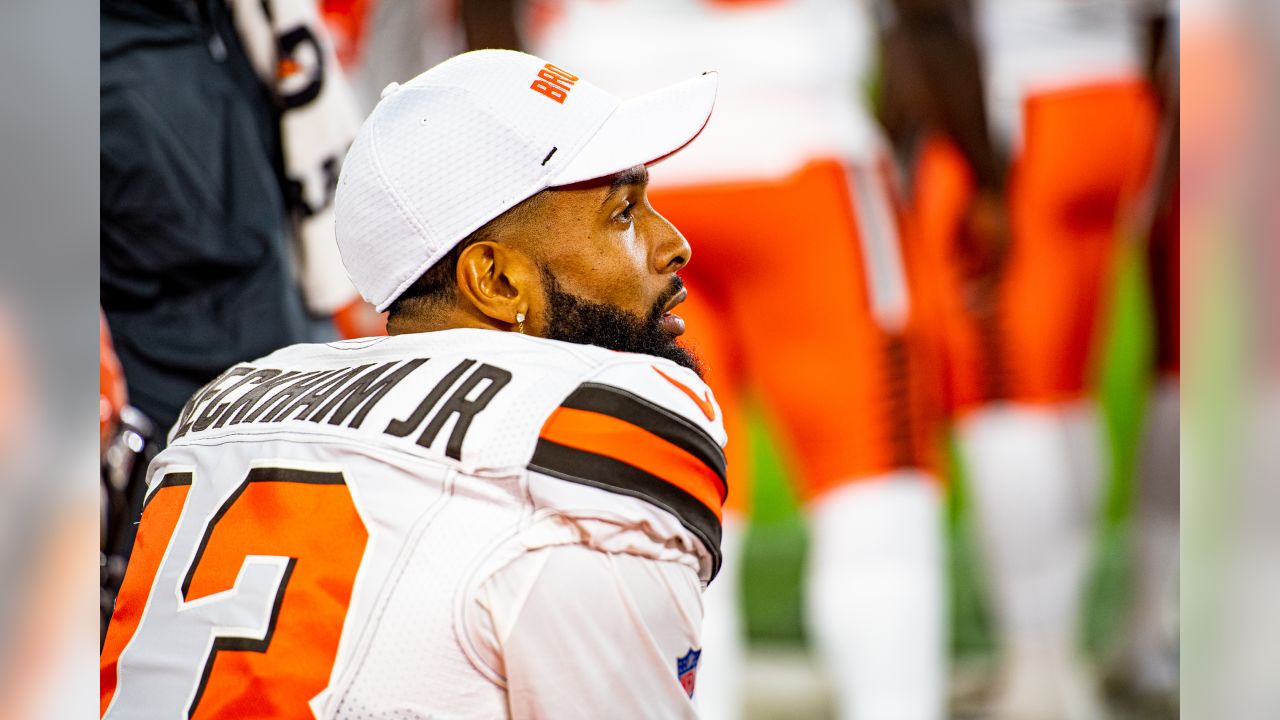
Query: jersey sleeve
column 650, row 430
column 579, row 633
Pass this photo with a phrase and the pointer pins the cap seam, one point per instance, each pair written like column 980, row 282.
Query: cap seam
column 573, row 154
column 401, row 206
column 489, row 110
column 422, row 268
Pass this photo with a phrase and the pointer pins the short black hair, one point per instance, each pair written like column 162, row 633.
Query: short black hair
column 437, row 286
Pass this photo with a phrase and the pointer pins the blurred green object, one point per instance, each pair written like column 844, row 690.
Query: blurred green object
column 776, row 544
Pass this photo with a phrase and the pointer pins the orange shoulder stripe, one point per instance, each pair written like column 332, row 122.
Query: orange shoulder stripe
column 618, row 439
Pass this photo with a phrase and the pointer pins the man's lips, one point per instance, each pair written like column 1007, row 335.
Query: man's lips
column 671, row 322
column 675, row 300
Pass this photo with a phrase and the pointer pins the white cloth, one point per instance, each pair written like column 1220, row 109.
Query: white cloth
column 1035, row 515
column 487, row 587
column 876, row 596
column 288, row 46
column 556, row 619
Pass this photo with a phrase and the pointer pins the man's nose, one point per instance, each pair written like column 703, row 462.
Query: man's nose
column 671, row 251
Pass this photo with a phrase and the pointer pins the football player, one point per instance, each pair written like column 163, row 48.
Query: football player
column 507, row 508
column 1022, row 258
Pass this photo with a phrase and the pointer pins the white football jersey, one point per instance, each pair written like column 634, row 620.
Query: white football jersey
column 1032, row 46
column 457, row 524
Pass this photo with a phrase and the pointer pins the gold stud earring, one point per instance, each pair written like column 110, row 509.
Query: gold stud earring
column 520, row 320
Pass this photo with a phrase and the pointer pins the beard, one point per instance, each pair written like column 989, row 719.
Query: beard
column 577, row 320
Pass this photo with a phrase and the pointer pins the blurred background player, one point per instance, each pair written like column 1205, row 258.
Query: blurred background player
column 1069, row 103
column 804, row 297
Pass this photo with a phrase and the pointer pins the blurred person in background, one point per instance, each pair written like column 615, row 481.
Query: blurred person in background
column 222, row 133
column 792, row 170
column 1068, row 103
column 223, row 124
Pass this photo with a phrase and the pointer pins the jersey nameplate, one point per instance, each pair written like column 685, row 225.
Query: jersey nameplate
column 246, row 394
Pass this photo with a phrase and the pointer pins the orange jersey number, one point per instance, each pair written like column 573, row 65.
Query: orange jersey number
column 233, row 604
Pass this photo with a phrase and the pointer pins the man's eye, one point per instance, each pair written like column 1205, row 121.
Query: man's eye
column 625, row 215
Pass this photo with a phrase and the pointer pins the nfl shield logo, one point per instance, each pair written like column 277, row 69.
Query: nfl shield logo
column 687, row 670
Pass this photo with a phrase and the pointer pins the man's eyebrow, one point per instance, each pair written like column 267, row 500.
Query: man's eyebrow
column 638, row 175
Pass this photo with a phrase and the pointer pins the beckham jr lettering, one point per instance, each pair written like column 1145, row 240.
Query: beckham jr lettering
column 246, row 394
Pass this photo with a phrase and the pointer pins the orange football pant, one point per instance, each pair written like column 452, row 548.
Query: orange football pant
column 1086, row 153
column 778, row 303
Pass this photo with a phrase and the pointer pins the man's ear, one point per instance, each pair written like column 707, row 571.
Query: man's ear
column 497, row 280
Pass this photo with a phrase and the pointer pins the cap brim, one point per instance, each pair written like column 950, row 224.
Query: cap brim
column 644, row 130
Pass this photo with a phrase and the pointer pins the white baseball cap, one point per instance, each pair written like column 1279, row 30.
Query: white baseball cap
column 462, row 143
